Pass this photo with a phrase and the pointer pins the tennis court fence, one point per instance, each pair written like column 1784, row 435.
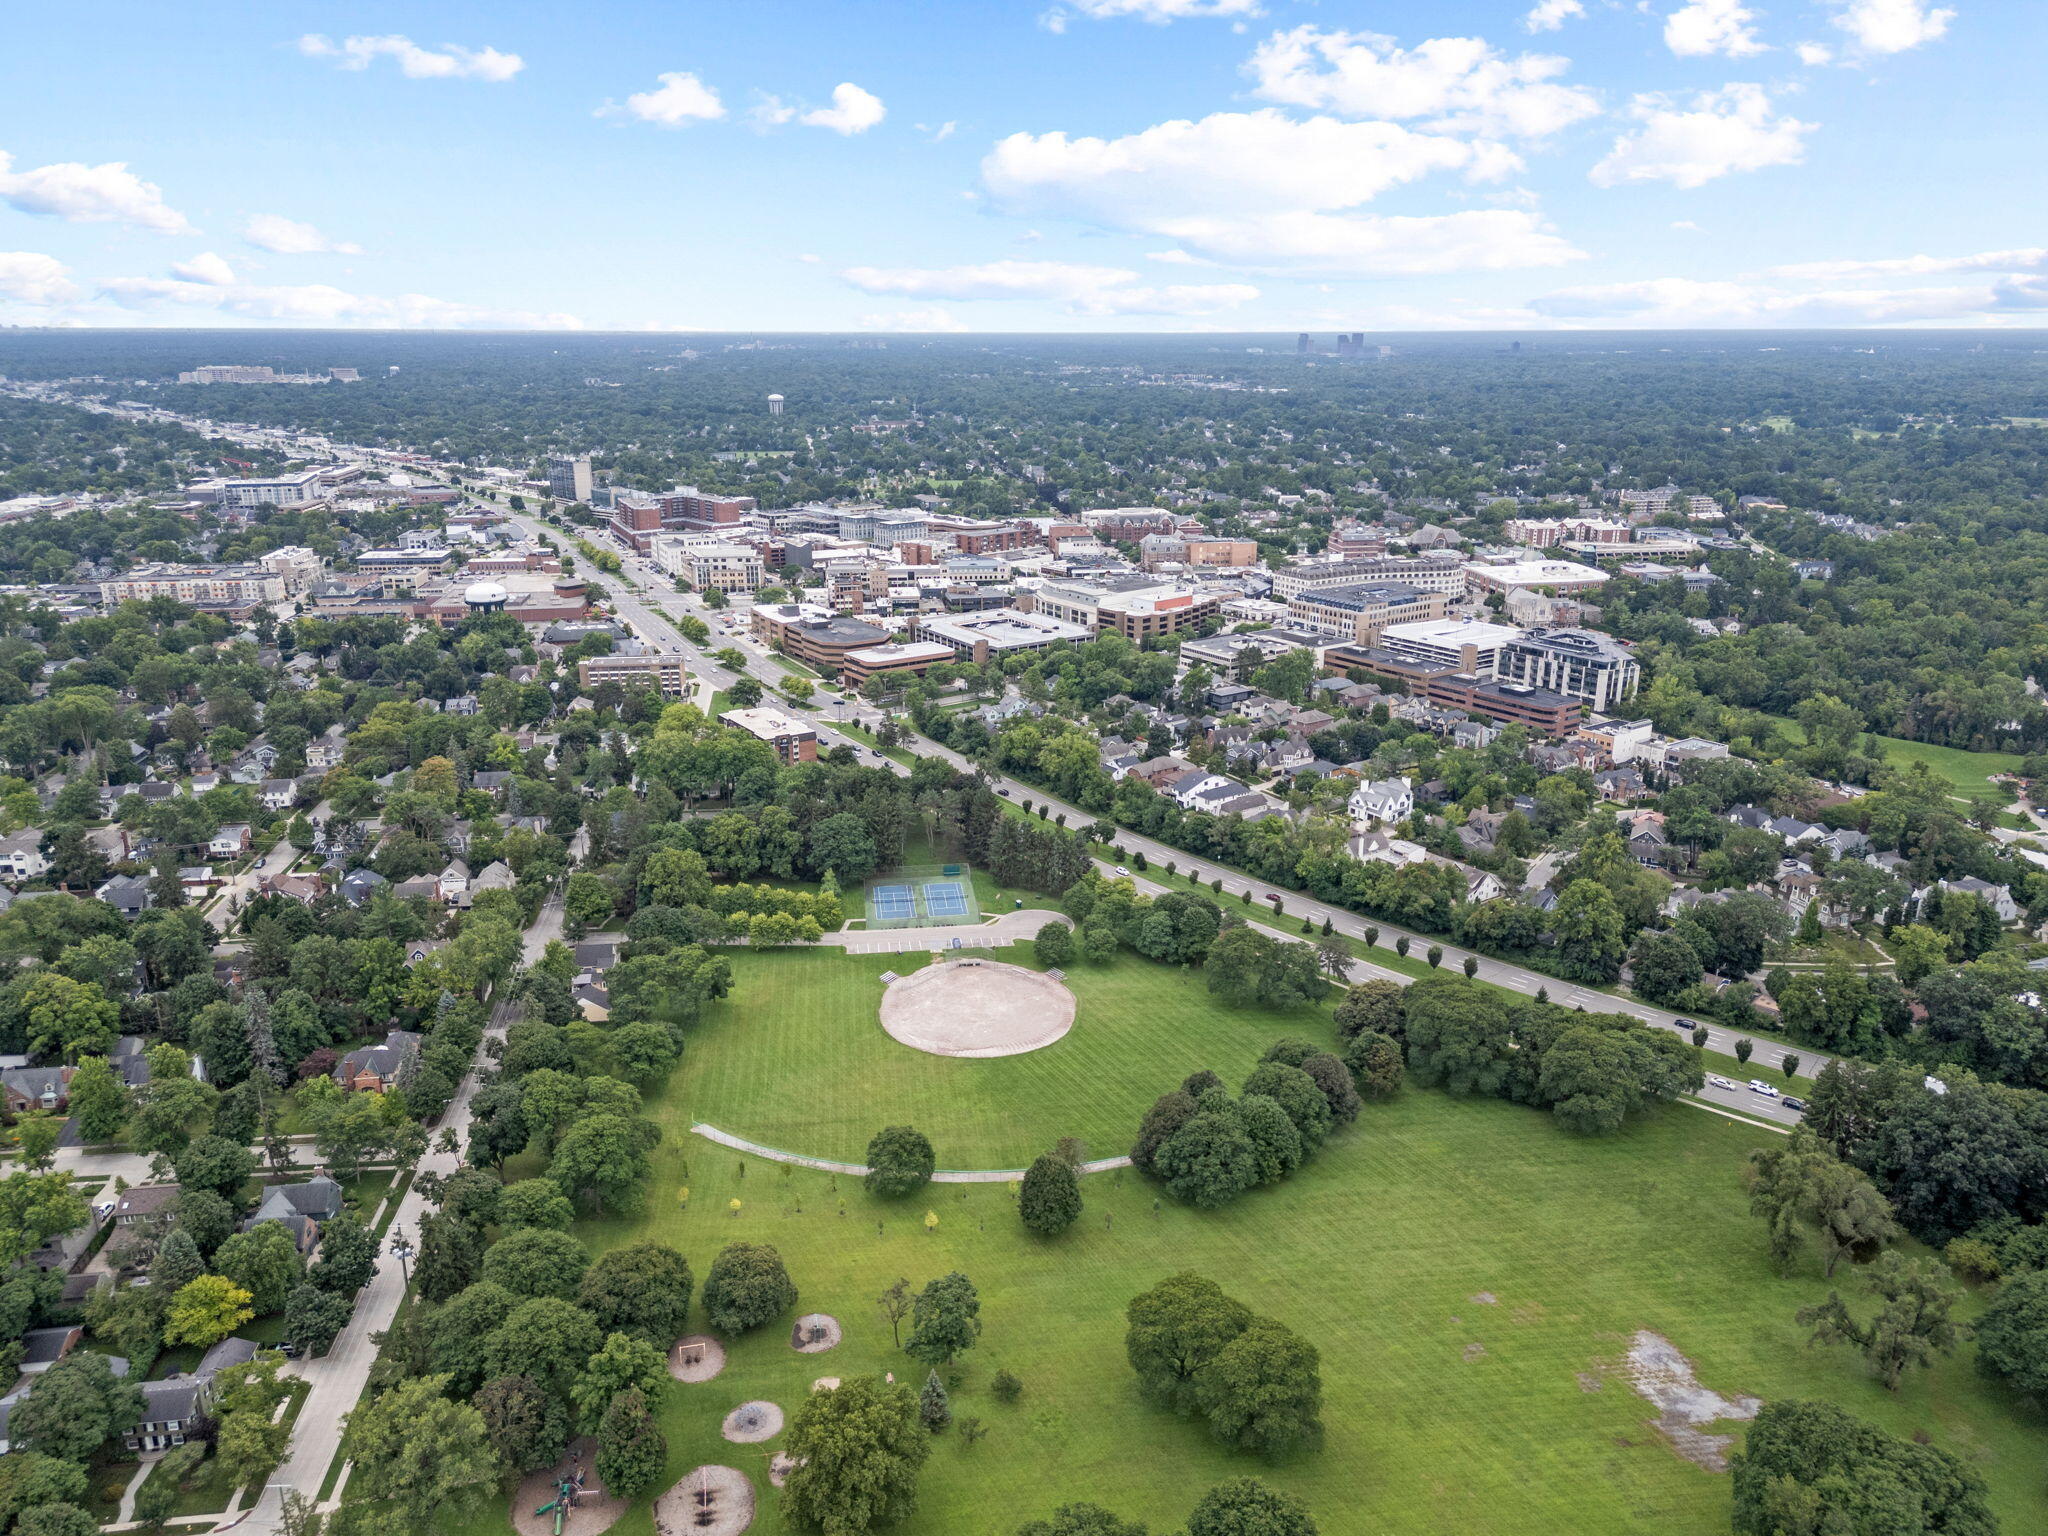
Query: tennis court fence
column 934, row 896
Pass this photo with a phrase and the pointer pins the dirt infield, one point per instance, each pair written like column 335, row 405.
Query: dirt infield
column 696, row 1357
column 595, row 1509
column 711, row 1501
column 977, row 1008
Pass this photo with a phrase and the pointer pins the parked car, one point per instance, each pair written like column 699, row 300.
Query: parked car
column 1719, row 1082
column 1798, row 1104
column 1756, row 1085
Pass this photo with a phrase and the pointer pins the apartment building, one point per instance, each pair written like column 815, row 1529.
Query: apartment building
column 793, row 741
column 713, row 567
column 304, row 489
column 1463, row 645
column 814, row 635
column 1427, row 573
column 1360, row 612
column 198, row 584
column 661, row 670
column 569, row 478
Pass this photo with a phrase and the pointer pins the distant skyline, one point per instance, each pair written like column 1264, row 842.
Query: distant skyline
column 1044, row 165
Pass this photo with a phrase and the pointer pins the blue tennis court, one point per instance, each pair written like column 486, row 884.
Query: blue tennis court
column 891, row 903
column 944, row 898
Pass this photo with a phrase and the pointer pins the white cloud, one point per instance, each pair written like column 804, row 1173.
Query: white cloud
column 1459, row 84
column 1083, row 289
column 90, row 194
column 1681, row 302
column 1814, row 55
column 30, row 277
column 450, row 61
column 1891, row 26
column 288, row 237
column 1685, row 224
column 1712, row 26
column 207, row 268
column 810, row 258
column 2023, row 259
column 930, row 318
column 1718, row 133
column 680, row 98
column 940, row 134
column 1550, row 15
column 1265, row 191
column 853, row 110
column 1176, row 258
column 1157, row 12
column 320, row 304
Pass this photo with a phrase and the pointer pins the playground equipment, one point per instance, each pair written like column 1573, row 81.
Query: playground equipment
column 567, row 1491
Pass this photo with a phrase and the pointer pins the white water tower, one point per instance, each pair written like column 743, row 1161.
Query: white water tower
column 775, row 405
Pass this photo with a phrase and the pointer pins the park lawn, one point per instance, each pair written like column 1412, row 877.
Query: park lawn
column 1376, row 1252
column 1970, row 772
column 796, row 1059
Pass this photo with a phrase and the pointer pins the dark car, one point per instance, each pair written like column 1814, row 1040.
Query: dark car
column 1791, row 1103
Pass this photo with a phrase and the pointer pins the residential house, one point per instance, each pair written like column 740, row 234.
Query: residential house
column 1643, row 834
column 301, row 1208
column 144, row 1203
column 1184, row 787
column 360, row 885
column 1376, row 846
column 24, row 1090
column 328, row 749
column 1482, row 885
column 454, row 882
column 1383, row 800
column 1997, row 897
column 1620, row 785
column 231, row 841
column 1481, row 830
column 42, row 1348
column 21, row 856
column 129, row 1061
column 495, row 876
column 171, row 1407
column 126, row 895
column 376, row 1068
column 278, row 794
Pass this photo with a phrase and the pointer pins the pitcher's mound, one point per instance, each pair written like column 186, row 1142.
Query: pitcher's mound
column 594, row 1509
column 711, row 1501
column 751, row 1423
column 814, row 1333
column 696, row 1357
column 977, row 1008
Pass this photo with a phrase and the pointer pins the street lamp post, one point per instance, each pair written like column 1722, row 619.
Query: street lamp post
column 402, row 1250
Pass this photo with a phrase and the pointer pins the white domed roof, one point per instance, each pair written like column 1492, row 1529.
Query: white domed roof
column 485, row 592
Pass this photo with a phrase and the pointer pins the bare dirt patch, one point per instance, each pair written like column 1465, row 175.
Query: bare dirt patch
column 594, row 1510
column 711, row 1501
column 1474, row 1351
column 751, row 1423
column 825, row 1384
column 696, row 1357
column 1588, row 1382
column 814, row 1333
column 1656, row 1371
column 977, row 1008
column 1485, row 1299
column 780, row 1466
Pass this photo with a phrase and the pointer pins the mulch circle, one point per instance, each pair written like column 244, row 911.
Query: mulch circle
column 696, row 1357
column 595, row 1510
column 711, row 1501
column 751, row 1423
column 781, row 1466
column 814, row 1333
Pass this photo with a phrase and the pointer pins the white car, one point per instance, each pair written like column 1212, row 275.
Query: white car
column 1763, row 1088
column 1121, row 870
column 1719, row 1082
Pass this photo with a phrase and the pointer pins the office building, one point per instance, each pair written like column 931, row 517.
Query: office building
column 793, row 741
column 814, row 635
column 569, row 479
column 1545, row 575
column 1137, row 607
column 710, row 567
column 910, row 658
column 1579, row 663
column 304, row 489
column 998, row 632
column 1464, row 645
column 1360, row 612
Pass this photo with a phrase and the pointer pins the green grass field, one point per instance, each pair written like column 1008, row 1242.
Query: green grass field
column 796, row 1059
column 1969, row 772
column 1376, row 1252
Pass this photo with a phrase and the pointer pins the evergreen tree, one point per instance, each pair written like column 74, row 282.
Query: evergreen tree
column 931, row 1403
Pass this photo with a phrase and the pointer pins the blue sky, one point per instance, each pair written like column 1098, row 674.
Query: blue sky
column 1111, row 165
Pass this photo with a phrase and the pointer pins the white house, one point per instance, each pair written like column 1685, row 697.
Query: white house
column 1383, row 800
column 230, row 841
column 454, row 883
column 21, row 856
column 1996, row 897
column 1375, row 846
column 1186, row 789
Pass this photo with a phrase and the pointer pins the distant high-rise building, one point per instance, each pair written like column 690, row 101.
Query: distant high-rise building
column 1302, row 344
column 775, row 405
column 569, row 479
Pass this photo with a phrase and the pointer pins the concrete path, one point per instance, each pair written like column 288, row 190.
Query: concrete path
column 1005, row 928
column 860, row 1171
column 126, row 1513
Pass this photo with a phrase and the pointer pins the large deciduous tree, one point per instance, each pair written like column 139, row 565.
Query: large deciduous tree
column 858, row 1451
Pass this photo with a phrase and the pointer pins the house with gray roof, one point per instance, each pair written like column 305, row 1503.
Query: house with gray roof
column 376, row 1068
column 300, row 1208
